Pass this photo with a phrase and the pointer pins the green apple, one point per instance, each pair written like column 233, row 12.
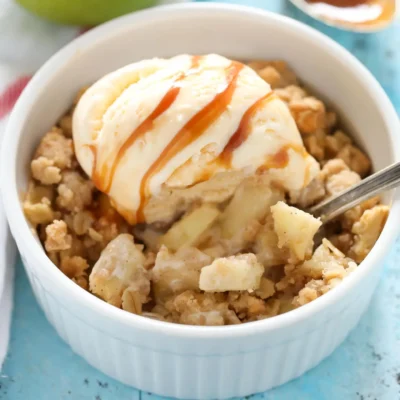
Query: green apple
column 83, row 12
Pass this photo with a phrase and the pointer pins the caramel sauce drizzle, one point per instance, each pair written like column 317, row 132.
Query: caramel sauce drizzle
column 278, row 160
column 243, row 131
column 100, row 177
column 281, row 159
column 192, row 130
column 144, row 127
column 387, row 11
column 340, row 3
column 93, row 149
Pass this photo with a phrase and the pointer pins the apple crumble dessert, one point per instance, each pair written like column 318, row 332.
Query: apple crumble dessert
column 175, row 189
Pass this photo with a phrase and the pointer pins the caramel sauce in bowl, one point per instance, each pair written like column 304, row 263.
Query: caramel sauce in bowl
column 355, row 15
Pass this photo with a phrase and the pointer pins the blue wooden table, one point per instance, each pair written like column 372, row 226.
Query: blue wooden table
column 40, row 366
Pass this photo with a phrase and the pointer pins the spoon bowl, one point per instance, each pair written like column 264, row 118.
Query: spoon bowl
column 377, row 183
column 353, row 15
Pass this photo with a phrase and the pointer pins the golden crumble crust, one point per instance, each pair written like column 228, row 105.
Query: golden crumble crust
column 129, row 267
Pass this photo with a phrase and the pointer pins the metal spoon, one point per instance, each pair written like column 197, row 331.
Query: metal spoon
column 386, row 179
column 354, row 15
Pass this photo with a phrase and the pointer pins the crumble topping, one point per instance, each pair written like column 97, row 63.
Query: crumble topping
column 225, row 251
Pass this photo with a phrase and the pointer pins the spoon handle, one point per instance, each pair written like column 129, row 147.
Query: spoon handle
column 386, row 179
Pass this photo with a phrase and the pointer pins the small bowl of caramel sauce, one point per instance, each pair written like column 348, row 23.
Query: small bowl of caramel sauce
column 355, row 15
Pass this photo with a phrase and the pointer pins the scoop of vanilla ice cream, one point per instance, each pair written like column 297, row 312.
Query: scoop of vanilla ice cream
column 165, row 125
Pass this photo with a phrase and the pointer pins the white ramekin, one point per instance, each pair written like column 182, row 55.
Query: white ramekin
column 187, row 361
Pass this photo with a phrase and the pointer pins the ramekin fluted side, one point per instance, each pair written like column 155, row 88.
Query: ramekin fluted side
column 192, row 375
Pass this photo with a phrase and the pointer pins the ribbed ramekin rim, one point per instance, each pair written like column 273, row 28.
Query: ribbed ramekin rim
column 25, row 238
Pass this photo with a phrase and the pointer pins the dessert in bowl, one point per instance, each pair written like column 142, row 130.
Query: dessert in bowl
column 179, row 213
column 158, row 212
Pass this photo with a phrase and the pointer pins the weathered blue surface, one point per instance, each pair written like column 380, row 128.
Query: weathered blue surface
column 366, row 367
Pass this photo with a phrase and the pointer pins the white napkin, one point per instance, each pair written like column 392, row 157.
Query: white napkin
column 7, row 258
column 7, row 246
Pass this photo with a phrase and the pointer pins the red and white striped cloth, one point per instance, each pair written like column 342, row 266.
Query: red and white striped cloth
column 11, row 85
column 9, row 93
column 26, row 42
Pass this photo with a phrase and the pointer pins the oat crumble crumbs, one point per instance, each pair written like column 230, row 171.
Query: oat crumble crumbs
column 237, row 257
